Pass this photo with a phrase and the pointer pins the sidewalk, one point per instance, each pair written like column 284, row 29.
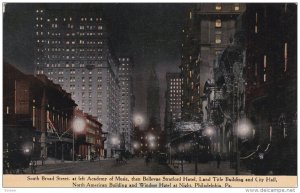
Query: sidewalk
column 209, row 168
column 50, row 161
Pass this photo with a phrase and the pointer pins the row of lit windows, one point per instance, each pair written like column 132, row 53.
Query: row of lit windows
column 175, row 87
column 175, row 91
column 175, row 103
column 70, row 34
column 82, row 27
column 175, row 80
column 123, row 59
column 123, row 68
column 82, row 56
column 236, row 7
column 70, row 42
column 176, row 83
column 176, row 99
column 174, row 95
column 72, row 65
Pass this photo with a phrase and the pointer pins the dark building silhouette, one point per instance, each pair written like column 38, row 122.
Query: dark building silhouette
column 271, row 76
column 153, row 106
column 210, row 29
column 39, row 115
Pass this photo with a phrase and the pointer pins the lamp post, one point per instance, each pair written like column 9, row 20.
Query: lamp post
column 78, row 126
column 115, row 141
column 243, row 130
column 196, row 147
column 181, row 151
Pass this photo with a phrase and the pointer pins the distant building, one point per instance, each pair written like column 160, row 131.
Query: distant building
column 210, row 28
column 173, row 101
column 153, row 105
column 71, row 49
column 126, row 101
column 90, row 143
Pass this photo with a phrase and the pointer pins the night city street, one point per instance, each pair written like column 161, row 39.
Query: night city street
column 136, row 166
column 150, row 88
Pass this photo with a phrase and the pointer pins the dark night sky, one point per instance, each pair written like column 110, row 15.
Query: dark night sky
column 150, row 33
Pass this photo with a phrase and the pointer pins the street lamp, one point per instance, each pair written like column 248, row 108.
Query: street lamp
column 115, row 141
column 138, row 119
column 181, row 151
column 209, row 131
column 244, row 129
column 78, row 126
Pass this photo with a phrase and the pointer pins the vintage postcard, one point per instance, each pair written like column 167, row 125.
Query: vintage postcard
column 150, row 95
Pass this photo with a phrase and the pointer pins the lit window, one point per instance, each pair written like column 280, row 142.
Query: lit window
column 218, row 7
column 265, row 61
column 265, row 68
column 256, row 21
column 218, row 39
column 236, row 7
column 191, row 15
column 218, row 23
column 285, row 57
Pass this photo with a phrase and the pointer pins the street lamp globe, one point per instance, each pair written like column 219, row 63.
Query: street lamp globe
column 209, row 131
column 115, row 140
column 135, row 145
column 152, row 145
column 244, row 128
column 78, row 125
column 138, row 119
column 151, row 137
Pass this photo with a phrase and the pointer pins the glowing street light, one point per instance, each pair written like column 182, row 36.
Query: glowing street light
column 209, row 131
column 115, row 140
column 136, row 145
column 151, row 137
column 244, row 128
column 78, row 125
column 138, row 119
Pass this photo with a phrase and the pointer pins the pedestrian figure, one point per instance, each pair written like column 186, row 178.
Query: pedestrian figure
column 32, row 166
column 43, row 159
column 218, row 158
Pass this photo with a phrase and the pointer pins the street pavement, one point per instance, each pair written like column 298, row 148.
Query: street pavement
column 135, row 166
column 209, row 168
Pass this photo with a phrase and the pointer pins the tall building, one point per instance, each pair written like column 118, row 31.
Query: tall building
column 153, row 106
column 271, row 90
column 126, row 101
column 71, row 48
column 173, row 102
column 255, row 86
column 210, row 28
column 173, row 96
